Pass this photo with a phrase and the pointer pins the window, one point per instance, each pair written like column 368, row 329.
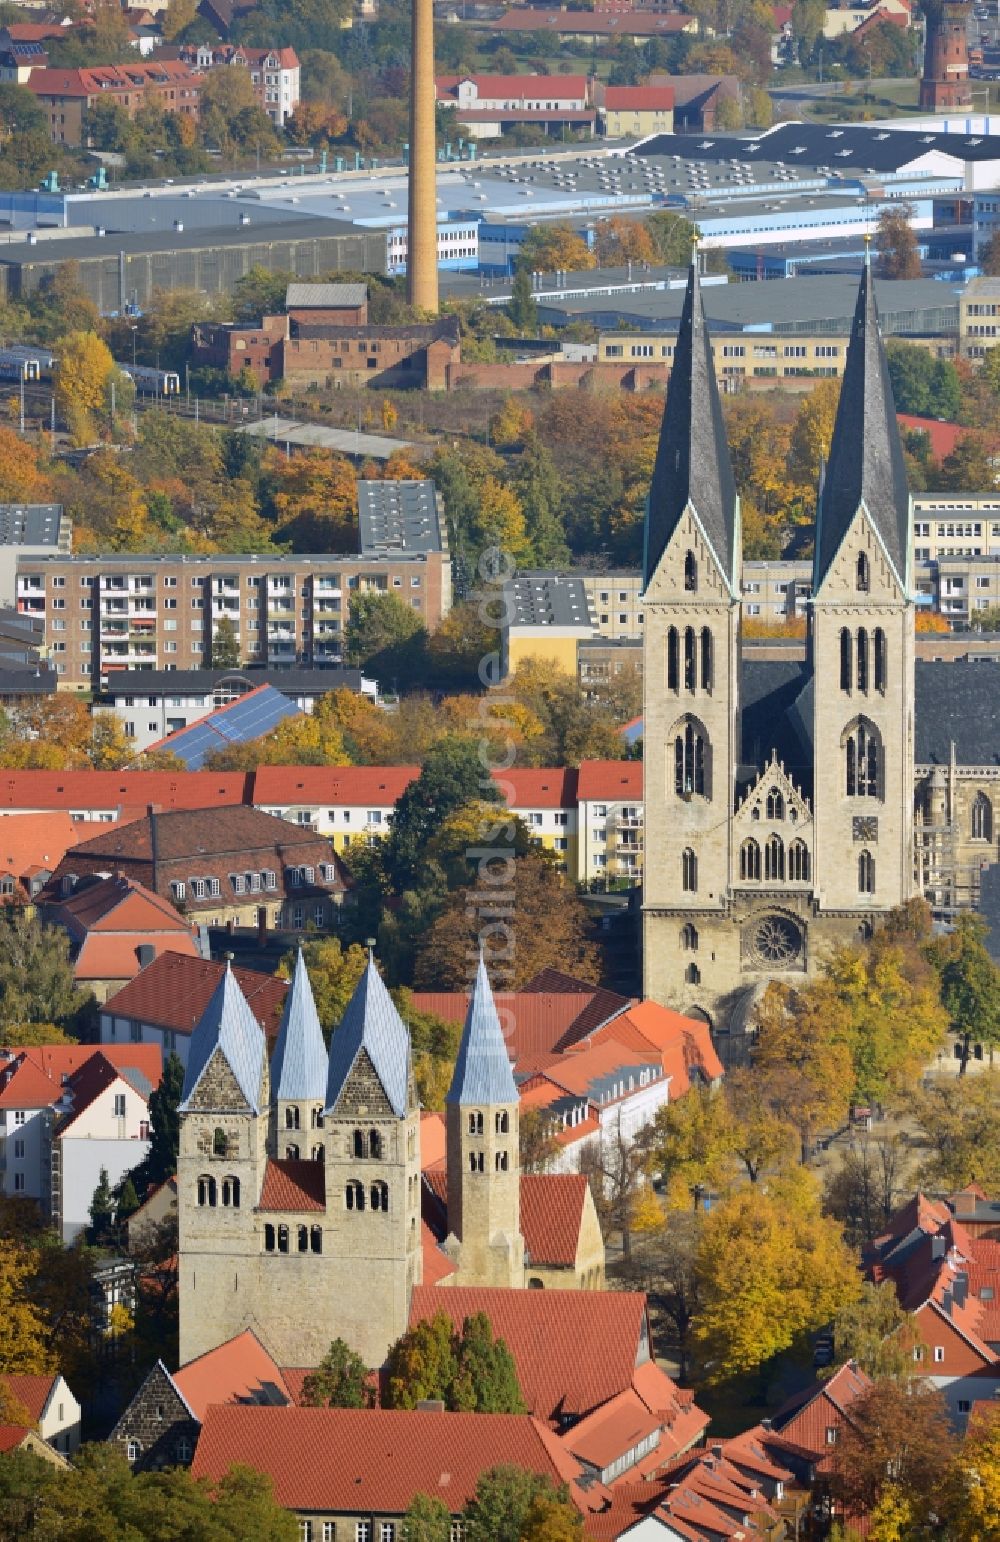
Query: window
column 863, row 661
column 354, row 1195
column 220, row 1142
column 502, row 1122
column 690, row 573
column 387, row 1531
column 303, row 1239
column 689, row 762
column 706, row 659
column 19, row 1146
column 18, row 1183
column 476, row 1162
column 291, row 1117
column 862, row 574
column 964, row 1405
column 689, row 871
column 329, row 1531
column 775, row 804
column 862, row 762
column 866, row 873
column 832, row 1433
column 475, row 1123
column 798, row 862
column 501, row 1162
column 231, row 1193
column 119, row 1105
column 880, row 660
column 182, row 1450
column 938, row 1354
column 268, row 1238
column 133, row 1450
column 375, row 1145
column 305, row 1531
column 282, row 1239
column 846, row 671
column 362, row 1531
column 750, row 861
column 316, row 1239
column 918, row 1352
column 689, row 938
column 982, row 818
column 207, row 1191
column 673, row 658
column 692, row 975
column 690, row 659
column 774, row 860
column 380, row 1196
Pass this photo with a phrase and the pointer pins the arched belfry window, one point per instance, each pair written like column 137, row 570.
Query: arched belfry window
column 774, row 860
column 775, row 804
column 689, row 938
column 866, row 873
column 880, row 660
column 846, row 671
column 862, row 661
column 673, row 660
column 689, row 871
column 690, row 572
column 750, row 861
column 706, row 658
column 475, row 1122
column 862, row 756
column 862, row 574
column 798, row 862
column 691, row 777
column 690, row 658
column 982, row 818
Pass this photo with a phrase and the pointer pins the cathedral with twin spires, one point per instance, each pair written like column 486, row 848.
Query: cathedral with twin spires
column 779, row 795
column 298, row 1180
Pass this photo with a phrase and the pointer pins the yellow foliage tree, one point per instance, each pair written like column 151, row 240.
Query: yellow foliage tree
column 812, row 433
column 83, row 375
column 21, row 479
column 316, row 499
column 973, row 1507
column 23, row 1330
column 511, row 425
column 502, row 520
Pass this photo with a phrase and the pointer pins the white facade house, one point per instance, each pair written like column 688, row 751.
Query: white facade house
column 106, row 1127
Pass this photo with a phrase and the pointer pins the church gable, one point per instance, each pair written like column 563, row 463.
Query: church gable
column 362, row 1095
column 217, row 1088
column 844, row 577
column 672, row 577
column 774, row 799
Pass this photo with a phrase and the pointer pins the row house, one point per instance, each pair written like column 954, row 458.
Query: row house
column 123, row 612
column 274, row 72
column 66, row 95
column 66, row 1112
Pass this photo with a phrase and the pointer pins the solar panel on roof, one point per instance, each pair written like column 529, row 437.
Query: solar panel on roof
column 238, row 723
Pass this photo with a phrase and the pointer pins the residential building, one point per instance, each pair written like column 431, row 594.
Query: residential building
column 704, row 1496
column 243, row 721
column 102, row 1125
column 545, row 615
column 123, row 612
column 166, row 1000
column 232, row 866
column 626, row 112
column 111, row 797
column 979, row 317
column 154, row 703
column 274, row 72
column 17, row 1437
column 31, row 848
column 37, row 1089
column 609, row 820
column 615, row 603
column 116, row 927
column 29, row 530
column 848, row 18
column 736, row 358
column 51, row 1406
column 66, row 95
column 485, row 105
column 400, row 518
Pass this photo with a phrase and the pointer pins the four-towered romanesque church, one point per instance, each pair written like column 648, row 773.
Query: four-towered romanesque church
column 298, row 1180
column 779, row 795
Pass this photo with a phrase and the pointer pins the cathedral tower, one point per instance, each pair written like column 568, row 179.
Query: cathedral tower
column 220, row 1169
column 484, row 1168
column 862, row 644
column 298, row 1074
column 372, row 1138
column 692, row 576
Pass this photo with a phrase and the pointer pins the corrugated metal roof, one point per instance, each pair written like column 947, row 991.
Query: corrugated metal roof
column 325, row 296
column 371, row 1023
column 228, row 1025
column 482, row 1071
column 299, row 1063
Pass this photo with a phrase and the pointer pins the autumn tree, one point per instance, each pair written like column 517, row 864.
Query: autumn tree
column 36, row 976
column 958, row 1119
column 82, row 381
column 989, row 255
column 521, row 307
column 334, row 972
column 385, row 636
column 875, row 1332
column 803, row 1052
column 315, row 500
column 339, row 1381
column 548, row 248
column 861, row 1191
column 771, row 1269
column 899, row 1435
column 537, row 1140
column 21, row 477
column 24, row 1347
column 896, row 244
column 972, row 1490
column 692, row 1144
column 552, row 1518
column 970, row 984
column 504, row 1499
column 225, row 644
column 541, row 920
column 812, row 433
column 620, row 240
column 617, row 1168
column 427, row 1520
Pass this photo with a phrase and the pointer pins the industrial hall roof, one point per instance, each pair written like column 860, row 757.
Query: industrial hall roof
column 840, row 147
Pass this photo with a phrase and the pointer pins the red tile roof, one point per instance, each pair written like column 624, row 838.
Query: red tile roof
column 684, row 1044
column 433, row 1140
column 173, row 991
column 552, row 1207
column 35, row 1077
column 527, row 789
column 609, row 781
column 293, row 1185
column 639, row 99
column 26, row 1085
column 92, row 1079
column 943, row 436
column 110, row 919
column 437, row 1265
column 33, row 843
column 80, row 790
column 12, row 1436
column 239, row 1371
column 32, row 1392
column 339, row 786
column 117, row 958
column 611, row 1430
column 510, row 87
column 350, row 1461
column 574, row 1349
column 532, row 1022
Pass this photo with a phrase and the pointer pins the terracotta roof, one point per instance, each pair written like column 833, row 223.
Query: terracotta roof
column 339, row 786
column 108, row 77
column 117, row 958
column 638, row 98
column 293, row 1185
column 600, row 1069
column 551, row 1216
column 87, row 1084
column 117, row 904
column 200, row 833
column 548, row 1333
column 346, row 1460
column 943, row 436
column 117, row 789
column 437, row 1265
column 629, row 1503
column 611, row 1430
column 551, row 87
column 26, row 1085
column 32, row 843
column 609, row 781
column 433, row 1139
column 545, row 788
column 32, row 1392
column 532, row 1023
column 684, row 1044
column 35, row 1077
column 239, row 1371
column 12, row 1436
column 173, row 991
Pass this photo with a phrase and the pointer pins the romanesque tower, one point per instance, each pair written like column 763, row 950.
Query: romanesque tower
column 484, row 1169
column 862, row 645
column 298, row 1074
column 372, row 1137
column 220, row 1169
column 692, row 574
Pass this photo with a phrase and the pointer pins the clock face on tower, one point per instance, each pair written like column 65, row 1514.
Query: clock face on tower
column 865, row 827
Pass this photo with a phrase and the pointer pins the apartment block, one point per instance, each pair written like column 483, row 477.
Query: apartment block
column 120, row 611
column 735, row 355
column 979, row 317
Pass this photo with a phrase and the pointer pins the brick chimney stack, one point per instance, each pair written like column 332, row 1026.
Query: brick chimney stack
column 421, row 259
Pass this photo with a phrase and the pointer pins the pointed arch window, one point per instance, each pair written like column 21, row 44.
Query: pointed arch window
column 862, row 661
column 706, row 658
column 880, row 660
column 354, row 1194
column 359, row 1143
column 774, row 860
column 673, row 660
column 750, row 861
column 690, row 761
column 846, row 670
column 689, row 871
column 982, row 818
column 862, row 574
column 866, row 873
column 775, row 804
column 862, row 754
column 689, row 938
column 292, row 1153
column 690, row 572
column 220, row 1143
column 690, row 658
column 692, row 975
column 798, row 862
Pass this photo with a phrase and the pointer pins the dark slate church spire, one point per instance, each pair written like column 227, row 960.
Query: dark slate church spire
column 866, row 463
column 692, row 461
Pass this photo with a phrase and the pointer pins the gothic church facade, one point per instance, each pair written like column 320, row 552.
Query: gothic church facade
column 779, row 796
